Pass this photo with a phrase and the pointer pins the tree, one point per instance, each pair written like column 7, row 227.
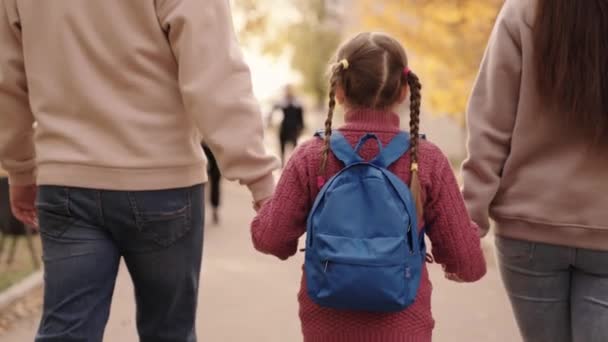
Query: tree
column 444, row 38
column 313, row 40
column 254, row 20
column 309, row 33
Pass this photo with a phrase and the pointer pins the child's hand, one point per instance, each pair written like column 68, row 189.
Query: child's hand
column 451, row 276
column 257, row 206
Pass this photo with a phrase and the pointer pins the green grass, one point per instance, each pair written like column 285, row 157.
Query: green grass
column 21, row 267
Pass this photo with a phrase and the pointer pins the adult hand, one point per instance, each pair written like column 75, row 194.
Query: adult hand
column 23, row 205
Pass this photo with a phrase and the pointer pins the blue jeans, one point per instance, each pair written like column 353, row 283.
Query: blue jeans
column 559, row 294
column 84, row 235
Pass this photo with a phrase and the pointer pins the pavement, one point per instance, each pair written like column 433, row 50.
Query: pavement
column 246, row 296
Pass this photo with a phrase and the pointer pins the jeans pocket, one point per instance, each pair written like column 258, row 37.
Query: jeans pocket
column 514, row 250
column 163, row 216
column 53, row 208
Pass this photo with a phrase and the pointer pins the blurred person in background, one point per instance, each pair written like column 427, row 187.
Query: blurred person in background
column 121, row 107
column 292, row 123
column 537, row 164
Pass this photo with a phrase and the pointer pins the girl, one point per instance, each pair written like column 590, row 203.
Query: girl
column 371, row 79
column 538, row 126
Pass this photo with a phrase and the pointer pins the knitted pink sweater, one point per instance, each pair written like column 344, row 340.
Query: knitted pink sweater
column 455, row 242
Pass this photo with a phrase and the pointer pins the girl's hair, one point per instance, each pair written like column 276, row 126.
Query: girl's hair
column 372, row 69
column 571, row 61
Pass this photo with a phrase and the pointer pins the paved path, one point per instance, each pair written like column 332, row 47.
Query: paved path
column 250, row 297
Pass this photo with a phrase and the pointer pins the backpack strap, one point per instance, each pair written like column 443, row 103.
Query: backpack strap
column 341, row 148
column 367, row 137
column 394, row 150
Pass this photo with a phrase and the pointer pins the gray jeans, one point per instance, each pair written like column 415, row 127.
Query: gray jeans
column 559, row 294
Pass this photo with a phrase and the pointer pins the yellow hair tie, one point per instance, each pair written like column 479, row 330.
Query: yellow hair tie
column 344, row 63
column 414, row 167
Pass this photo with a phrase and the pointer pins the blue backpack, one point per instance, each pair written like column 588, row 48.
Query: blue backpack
column 363, row 249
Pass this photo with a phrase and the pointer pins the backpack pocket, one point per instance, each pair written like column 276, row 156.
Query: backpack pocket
column 367, row 274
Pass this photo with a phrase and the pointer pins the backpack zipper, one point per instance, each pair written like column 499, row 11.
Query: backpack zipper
column 410, row 243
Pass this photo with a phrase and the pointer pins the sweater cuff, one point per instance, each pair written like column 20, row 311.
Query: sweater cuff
column 22, row 178
column 262, row 188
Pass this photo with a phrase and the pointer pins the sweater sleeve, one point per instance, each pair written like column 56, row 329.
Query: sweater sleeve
column 17, row 153
column 282, row 221
column 491, row 117
column 454, row 237
column 216, row 88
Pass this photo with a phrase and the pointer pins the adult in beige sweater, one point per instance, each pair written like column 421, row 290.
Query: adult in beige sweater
column 123, row 93
column 537, row 165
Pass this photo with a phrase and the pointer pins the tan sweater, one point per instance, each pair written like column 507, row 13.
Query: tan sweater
column 123, row 92
column 534, row 177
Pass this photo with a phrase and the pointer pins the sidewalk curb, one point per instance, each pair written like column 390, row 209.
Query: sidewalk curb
column 21, row 289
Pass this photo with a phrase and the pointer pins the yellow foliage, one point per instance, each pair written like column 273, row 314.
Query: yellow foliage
column 445, row 40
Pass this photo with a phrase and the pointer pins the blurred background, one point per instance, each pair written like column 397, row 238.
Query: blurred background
column 291, row 42
column 250, row 297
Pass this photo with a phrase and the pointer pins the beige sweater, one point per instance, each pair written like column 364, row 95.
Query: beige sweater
column 123, row 92
column 535, row 178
